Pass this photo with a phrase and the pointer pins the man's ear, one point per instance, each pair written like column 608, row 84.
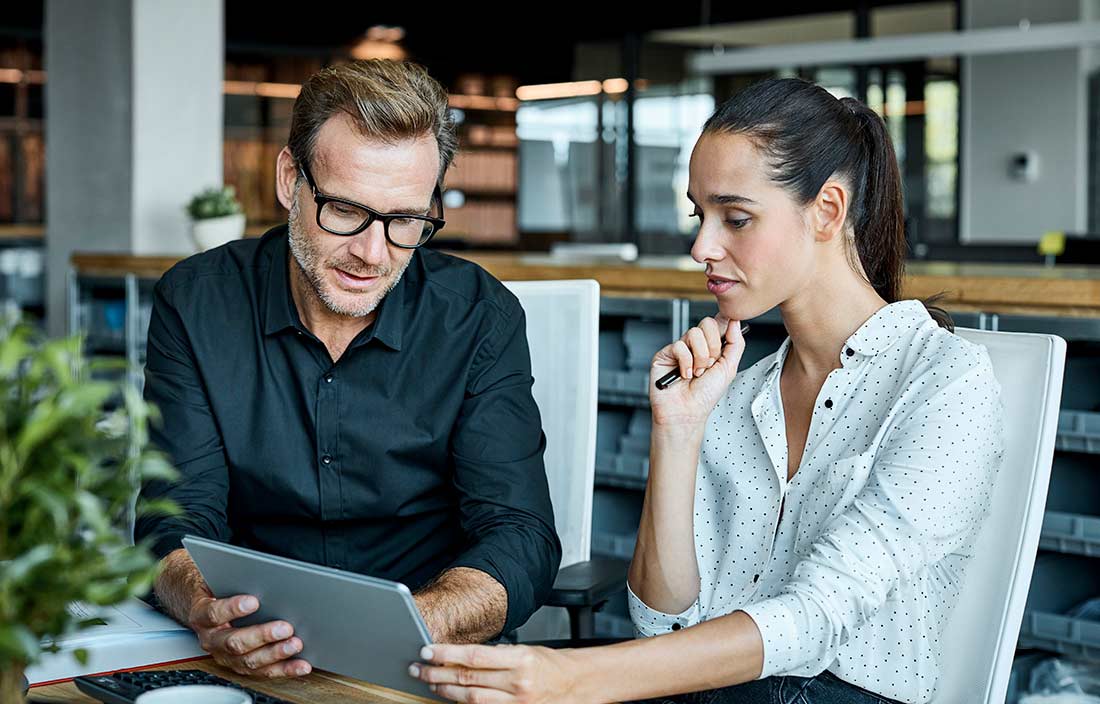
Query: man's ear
column 286, row 176
column 829, row 211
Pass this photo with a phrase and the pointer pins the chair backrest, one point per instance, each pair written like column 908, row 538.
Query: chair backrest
column 563, row 321
column 980, row 638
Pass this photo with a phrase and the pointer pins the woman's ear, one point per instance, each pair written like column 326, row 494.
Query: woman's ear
column 829, row 211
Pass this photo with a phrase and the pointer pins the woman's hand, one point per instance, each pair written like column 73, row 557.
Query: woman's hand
column 707, row 368
column 499, row 674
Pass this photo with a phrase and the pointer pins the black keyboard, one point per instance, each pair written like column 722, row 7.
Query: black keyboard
column 125, row 687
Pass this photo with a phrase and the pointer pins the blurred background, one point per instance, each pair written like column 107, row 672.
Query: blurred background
column 577, row 120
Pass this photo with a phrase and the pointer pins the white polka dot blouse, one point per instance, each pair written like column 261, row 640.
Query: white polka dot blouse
column 860, row 571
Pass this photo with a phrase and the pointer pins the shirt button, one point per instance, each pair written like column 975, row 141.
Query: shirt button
column 328, row 378
column 676, row 626
column 326, row 459
column 850, row 352
column 755, row 578
column 828, row 403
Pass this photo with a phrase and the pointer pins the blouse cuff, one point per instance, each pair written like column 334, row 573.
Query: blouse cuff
column 650, row 622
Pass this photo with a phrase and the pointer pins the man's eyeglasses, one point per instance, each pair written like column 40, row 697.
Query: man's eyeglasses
column 346, row 218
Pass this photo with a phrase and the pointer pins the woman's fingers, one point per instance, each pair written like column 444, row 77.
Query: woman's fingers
column 712, row 331
column 735, row 343
column 481, row 657
column 464, row 676
column 473, row 673
column 697, row 341
column 472, row 695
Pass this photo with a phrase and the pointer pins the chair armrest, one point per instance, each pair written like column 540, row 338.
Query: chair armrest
column 588, row 583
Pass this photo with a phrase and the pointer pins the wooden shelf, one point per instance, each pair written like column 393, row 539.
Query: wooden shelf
column 22, row 232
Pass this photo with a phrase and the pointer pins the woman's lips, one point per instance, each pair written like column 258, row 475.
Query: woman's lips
column 718, row 285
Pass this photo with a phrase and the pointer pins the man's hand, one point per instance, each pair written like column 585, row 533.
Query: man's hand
column 262, row 650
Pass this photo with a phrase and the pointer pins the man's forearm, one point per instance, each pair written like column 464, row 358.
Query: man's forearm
column 463, row 605
column 179, row 584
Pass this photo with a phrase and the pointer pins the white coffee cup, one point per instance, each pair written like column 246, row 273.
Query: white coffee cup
column 194, row 694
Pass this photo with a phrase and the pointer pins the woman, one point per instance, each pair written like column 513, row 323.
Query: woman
column 808, row 520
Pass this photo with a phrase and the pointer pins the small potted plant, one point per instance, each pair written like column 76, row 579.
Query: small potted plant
column 216, row 217
column 72, row 451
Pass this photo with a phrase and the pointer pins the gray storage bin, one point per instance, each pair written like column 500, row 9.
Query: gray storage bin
column 612, row 351
column 1074, row 485
column 613, row 626
column 636, row 440
column 652, row 308
column 634, row 445
column 1079, row 391
column 1079, row 431
column 1071, row 532
column 642, row 339
column 641, row 424
column 611, row 425
column 624, row 388
column 1059, row 583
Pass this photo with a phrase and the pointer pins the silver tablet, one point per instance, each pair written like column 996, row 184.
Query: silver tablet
column 349, row 624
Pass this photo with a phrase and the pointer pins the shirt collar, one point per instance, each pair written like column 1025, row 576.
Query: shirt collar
column 280, row 313
column 887, row 326
column 279, row 310
column 877, row 334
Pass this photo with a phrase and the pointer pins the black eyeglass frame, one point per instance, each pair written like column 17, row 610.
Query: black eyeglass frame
column 321, row 198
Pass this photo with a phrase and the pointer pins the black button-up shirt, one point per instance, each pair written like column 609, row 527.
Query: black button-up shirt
column 419, row 450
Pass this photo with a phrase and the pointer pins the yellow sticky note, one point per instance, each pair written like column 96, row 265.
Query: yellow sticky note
column 1052, row 243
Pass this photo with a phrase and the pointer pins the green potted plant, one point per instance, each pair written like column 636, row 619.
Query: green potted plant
column 72, row 451
column 216, row 217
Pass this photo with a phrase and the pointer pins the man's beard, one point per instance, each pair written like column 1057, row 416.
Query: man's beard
column 310, row 263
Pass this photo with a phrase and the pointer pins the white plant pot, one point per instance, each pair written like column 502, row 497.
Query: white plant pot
column 214, row 232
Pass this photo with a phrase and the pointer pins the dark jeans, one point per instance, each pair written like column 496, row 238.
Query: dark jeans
column 826, row 688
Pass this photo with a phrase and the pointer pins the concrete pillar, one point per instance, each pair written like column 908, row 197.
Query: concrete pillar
column 133, row 127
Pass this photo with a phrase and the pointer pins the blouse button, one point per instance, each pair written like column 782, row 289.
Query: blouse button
column 850, row 352
column 828, row 403
column 676, row 626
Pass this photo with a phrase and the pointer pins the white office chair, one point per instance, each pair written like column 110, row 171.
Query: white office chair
column 563, row 319
column 980, row 638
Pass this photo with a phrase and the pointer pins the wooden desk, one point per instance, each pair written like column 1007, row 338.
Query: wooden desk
column 315, row 688
column 1066, row 291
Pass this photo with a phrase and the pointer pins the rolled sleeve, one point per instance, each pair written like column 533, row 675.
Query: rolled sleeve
column 500, row 477
column 187, row 432
column 922, row 502
column 649, row 622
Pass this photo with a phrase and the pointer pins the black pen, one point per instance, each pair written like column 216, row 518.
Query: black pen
column 673, row 376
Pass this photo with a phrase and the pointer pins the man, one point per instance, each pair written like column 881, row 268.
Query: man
column 333, row 393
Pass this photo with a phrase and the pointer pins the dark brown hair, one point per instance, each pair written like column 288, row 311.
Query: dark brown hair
column 808, row 136
column 386, row 100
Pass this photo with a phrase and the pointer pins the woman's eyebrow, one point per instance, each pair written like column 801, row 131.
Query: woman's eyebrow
column 725, row 199
column 730, row 199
